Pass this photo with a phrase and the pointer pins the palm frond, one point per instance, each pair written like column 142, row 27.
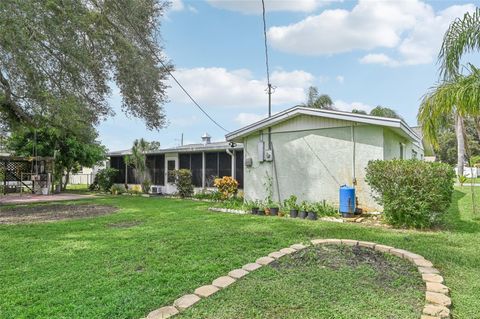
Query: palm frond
column 463, row 36
column 460, row 94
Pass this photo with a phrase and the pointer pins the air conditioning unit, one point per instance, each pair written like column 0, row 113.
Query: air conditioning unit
column 156, row 190
column 268, row 155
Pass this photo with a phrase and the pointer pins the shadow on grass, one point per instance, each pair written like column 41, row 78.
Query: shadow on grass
column 457, row 219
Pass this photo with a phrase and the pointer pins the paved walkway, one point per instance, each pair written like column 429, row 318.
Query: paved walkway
column 33, row 198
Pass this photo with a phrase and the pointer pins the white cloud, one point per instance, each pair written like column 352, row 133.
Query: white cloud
column 378, row 58
column 255, row 6
column 244, row 119
column 219, row 87
column 411, row 27
column 177, row 5
column 346, row 106
column 340, row 79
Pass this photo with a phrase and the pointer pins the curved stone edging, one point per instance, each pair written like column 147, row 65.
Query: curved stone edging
column 437, row 302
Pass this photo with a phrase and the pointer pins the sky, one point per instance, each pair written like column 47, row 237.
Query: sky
column 361, row 53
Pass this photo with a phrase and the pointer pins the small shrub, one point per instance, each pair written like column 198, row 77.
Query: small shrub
column 290, row 203
column 413, row 193
column 462, row 179
column 146, row 186
column 227, row 186
column 104, row 179
column 323, row 209
column 135, row 189
column 117, row 189
column 183, row 182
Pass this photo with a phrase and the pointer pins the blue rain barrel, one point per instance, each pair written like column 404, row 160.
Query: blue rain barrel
column 347, row 200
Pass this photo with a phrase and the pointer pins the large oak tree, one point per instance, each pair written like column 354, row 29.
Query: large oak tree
column 56, row 54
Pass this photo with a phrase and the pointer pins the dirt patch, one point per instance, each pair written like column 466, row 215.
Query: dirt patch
column 50, row 213
column 386, row 267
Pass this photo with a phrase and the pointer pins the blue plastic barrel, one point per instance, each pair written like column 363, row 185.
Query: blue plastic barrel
column 347, row 200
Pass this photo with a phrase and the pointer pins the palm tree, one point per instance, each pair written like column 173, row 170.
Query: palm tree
column 314, row 100
column 457, row 94
column 138, row 159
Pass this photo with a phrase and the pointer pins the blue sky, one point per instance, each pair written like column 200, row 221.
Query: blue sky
column 361, row 53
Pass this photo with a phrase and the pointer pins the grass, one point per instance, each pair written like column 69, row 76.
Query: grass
column 328, row 281
column 93, row 268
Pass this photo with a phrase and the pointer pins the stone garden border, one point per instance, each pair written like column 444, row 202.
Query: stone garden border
column 437, row 302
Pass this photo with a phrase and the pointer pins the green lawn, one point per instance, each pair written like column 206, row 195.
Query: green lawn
column 92, row 268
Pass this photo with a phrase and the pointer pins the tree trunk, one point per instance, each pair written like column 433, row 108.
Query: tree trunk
column 459, row 131
column 67, row 177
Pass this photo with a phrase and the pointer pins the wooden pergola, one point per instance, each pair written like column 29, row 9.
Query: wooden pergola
column 30, row 173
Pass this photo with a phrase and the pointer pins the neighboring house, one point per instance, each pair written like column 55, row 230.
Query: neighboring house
column 313, row 152
column 206, row 160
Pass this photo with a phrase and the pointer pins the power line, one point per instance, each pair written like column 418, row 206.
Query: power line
column 168, row 71
column 269, row 85
column 265, row 41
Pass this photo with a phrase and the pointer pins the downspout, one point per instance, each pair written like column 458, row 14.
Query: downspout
column 354, row 177
column 229, row 152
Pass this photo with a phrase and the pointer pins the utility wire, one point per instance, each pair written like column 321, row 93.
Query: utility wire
column 168, row 70
column 265, row 41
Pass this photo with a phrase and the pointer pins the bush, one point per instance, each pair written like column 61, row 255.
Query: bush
column 135, row 189
column 183, row 182
column 104, row 179
column 413, row 193
column 227, row 186
column 146, row 184
column 117, row 189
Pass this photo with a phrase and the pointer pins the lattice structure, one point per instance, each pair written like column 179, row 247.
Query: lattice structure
column 24, row 174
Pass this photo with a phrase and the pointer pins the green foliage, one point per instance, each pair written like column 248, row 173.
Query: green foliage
column 183, row 182
column 462, row 36
column 138, row 159
column 475, row 160
column 413, row 193
column 323, row 209
column 117, row 189
column 357, row 111
column 104, row 180
column 459, row 95
column 314, row 100
column 384, row 112
column 60, row 53
column 70, row 148
column 146, row 186
column 462, row 179
column 290, row 203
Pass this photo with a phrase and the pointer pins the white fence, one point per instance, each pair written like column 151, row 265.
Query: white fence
column 469, row 171
column 80, row 179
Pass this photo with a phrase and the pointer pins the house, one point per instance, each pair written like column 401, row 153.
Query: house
column 311, row 152
column 206, row 160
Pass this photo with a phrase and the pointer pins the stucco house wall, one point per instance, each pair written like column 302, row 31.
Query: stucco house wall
column 314, row 156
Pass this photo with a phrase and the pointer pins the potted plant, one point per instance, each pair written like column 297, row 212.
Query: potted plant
column 273, row 209
column 262, row 210
column 312, row 212
column 253, row 207
column 303, row 210
column 291, row 205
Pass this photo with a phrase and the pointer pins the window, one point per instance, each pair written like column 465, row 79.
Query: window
column 414, row 154
column 401, row 150
column 118, row 163
column 193, row 162
column 156, row 169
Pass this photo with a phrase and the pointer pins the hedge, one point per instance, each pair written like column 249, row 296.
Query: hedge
column 413, row 193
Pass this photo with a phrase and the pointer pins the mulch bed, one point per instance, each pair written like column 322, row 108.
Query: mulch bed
column 49, row 213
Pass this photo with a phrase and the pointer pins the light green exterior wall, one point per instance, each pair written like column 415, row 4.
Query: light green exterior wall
column 314, row 157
